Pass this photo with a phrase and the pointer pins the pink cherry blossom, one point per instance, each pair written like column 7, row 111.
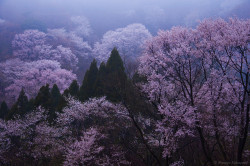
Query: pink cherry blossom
column 128, row 41
column 199, row 79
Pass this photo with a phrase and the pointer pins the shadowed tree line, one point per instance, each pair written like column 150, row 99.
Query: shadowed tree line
column 108, row 80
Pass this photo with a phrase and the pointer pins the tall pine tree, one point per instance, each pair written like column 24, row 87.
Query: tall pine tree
column 115, row 62
column 73, row 89
column 55, row 97
column 115, row 79
column 43, row 97
column 87, row 90
column 21, row 107
column 99, row 86
column 57, row 103
column 3, row 110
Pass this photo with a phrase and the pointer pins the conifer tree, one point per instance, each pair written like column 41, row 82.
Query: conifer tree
column 43, row 97
column 55, row 97
column 31, row 104
column 73, row 89
column 21, row 107
column 3, row 110
column 115, row 80
column 87, row 89
column 99, row 86
column 115, row 62
column 57, row 102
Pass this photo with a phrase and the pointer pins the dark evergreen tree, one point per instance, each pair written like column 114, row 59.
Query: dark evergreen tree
column 102, row 69
column 55, row 97
column 137, row 78
column 21, row 107
column 100, row 82
column 115, row 77
column 115, row 62
column 56, row 103
column 31, row 104
column 73, row 89
column 3, row 110
column 43, row 97
column 87, row 90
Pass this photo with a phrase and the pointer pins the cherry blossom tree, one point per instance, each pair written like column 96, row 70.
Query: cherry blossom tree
column 228, row 43
column 85, row 150
column 104, row 116
column 30, row 137
column 25, row 42
column 32, row 45
column 71, row 40
column 73, row 36
column 201, row 76
column 32, row 75
column 128, row 40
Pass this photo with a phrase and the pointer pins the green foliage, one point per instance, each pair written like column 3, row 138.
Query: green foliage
column 51, row 100
column 108, row 81
column 55, row 97
column 115, row 77
column 3, row 110
column 43, row 97
column 137, row 78
column 87, row 90
column 73, row 89
column 115, row 62
column 57, row 100
column 31, row 104
column 100, row 82
column 21, row 107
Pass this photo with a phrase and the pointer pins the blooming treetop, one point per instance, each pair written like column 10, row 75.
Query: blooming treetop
column 32, row 75
column 128, row 40
column 39, row 139
column 97, row 109
column 32, row 45
column 202, row 76
column 71, row 40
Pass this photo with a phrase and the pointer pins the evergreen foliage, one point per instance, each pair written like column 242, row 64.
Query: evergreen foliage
column 56, row 97
column 108, row 81
column 3, row 110
column 87, row 89
column 21, row 107
column 99, row 86
column 43, row 97
column 115, row 77
column 115, row 62
column 57, row 102
column 73, row 89
column 51, row 100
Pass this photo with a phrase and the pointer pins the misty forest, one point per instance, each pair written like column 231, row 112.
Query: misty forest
column 119, row 82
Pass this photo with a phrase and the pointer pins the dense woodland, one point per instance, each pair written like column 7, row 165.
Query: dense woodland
column 186, row 102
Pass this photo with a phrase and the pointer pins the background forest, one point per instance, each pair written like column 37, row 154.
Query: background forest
column 86, row 84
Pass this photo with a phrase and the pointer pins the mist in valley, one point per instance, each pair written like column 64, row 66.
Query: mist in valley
column 19, row 15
